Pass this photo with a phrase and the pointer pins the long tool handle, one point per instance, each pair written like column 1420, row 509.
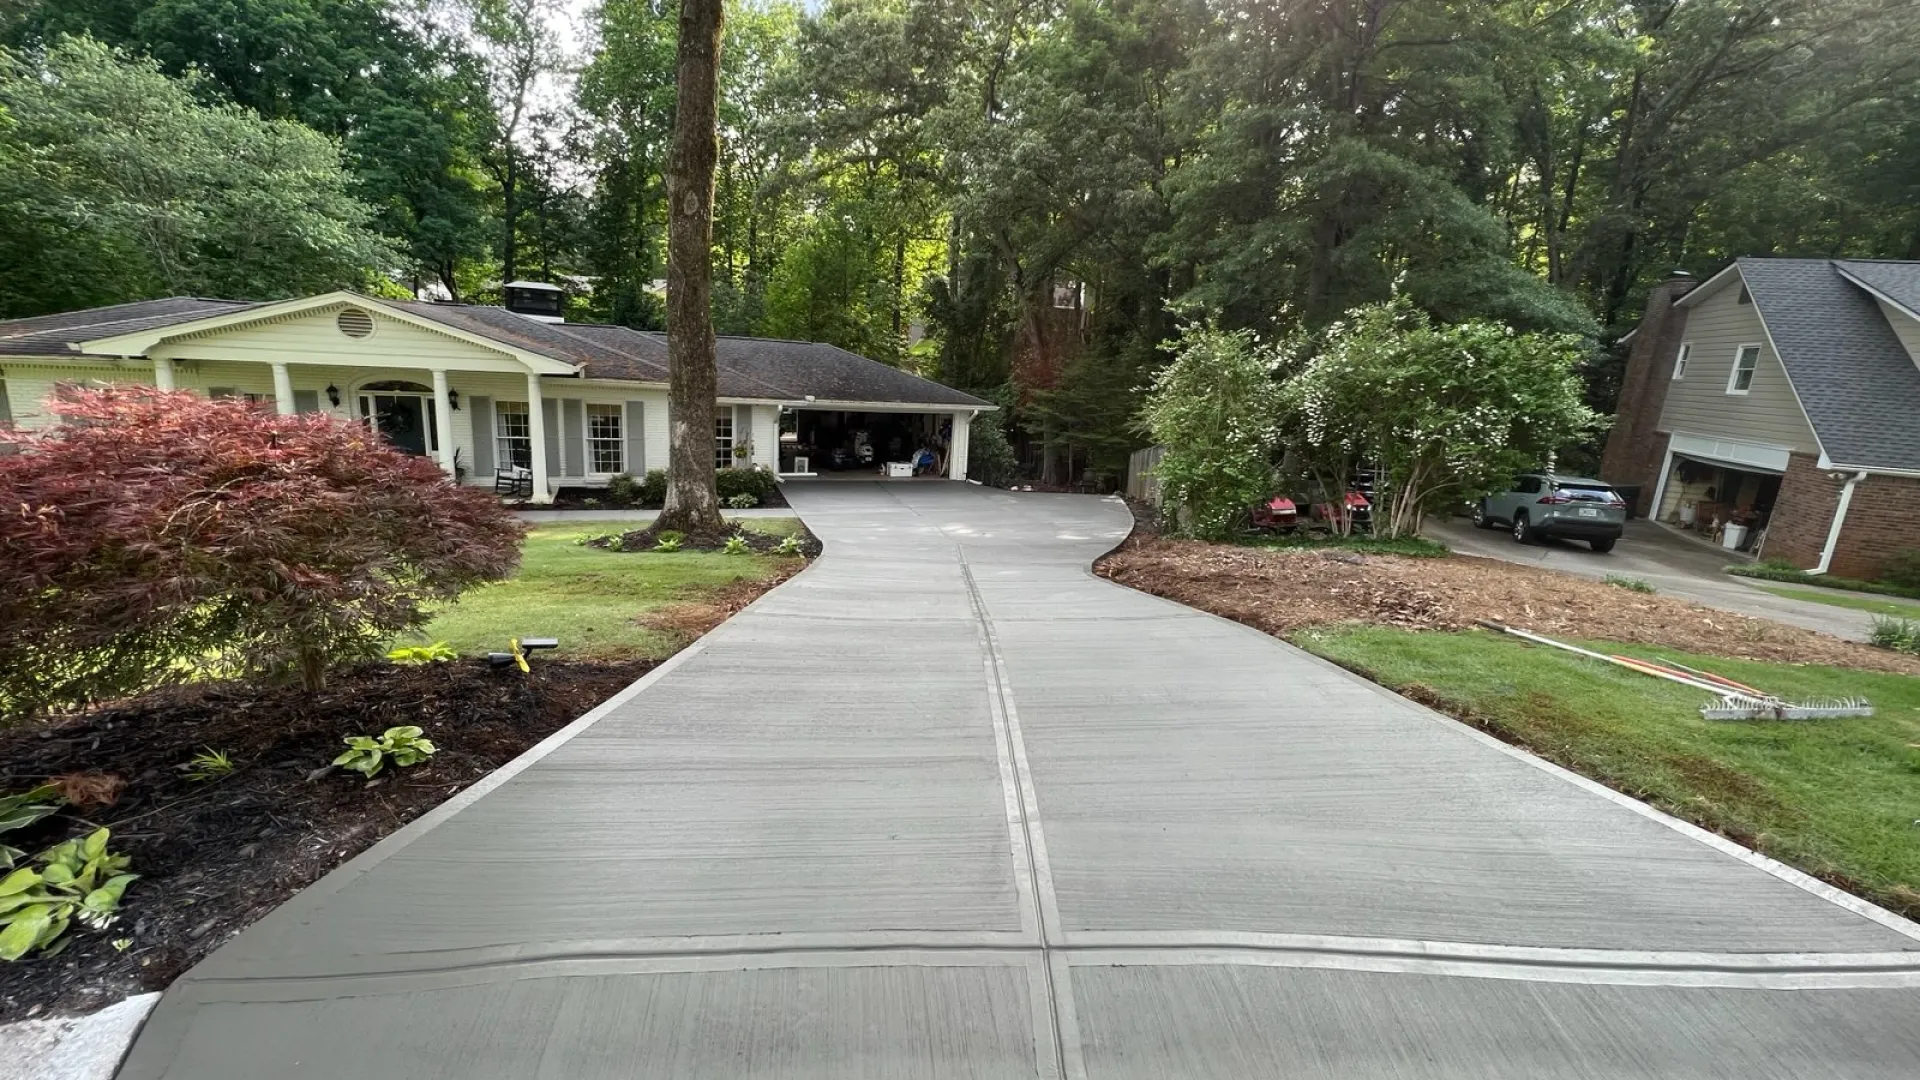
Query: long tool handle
column 1683, row 680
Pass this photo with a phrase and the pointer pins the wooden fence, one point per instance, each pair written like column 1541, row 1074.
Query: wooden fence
column 1141, row 483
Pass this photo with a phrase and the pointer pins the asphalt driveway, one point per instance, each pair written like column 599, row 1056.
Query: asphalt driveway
column 1676, row 565
column 948, row 806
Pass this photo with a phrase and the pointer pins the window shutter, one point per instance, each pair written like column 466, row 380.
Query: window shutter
column 576, row 416
column 637, row 438
column 481, row 409
column 306, row 401
column 550, row 410
column 742, row 432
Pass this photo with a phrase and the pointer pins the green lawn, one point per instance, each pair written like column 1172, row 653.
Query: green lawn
column 1836, row 798
column 591, row 599
column 1891, row 608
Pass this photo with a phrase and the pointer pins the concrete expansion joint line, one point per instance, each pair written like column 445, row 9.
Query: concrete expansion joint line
column 1037, row 897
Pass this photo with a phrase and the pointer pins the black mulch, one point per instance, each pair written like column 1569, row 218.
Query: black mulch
column 215, row 855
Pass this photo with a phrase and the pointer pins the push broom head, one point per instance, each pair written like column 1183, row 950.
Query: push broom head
column 1740, row 707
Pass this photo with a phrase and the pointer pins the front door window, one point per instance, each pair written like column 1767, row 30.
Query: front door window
column 406, row 421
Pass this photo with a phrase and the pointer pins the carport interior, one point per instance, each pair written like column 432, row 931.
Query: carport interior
column 840, row 440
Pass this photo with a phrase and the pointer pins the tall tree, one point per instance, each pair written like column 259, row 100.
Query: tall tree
column 692, row 504
column 521, row 49
column 121, row 186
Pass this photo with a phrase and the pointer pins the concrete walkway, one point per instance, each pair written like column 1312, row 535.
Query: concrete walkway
column 1675, row 565
column 947, row 806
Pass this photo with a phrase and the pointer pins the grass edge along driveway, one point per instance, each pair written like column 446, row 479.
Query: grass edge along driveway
column 596, row 601
column 1837, row 799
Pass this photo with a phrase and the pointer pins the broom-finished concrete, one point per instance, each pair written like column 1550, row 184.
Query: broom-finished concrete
column 945, row 805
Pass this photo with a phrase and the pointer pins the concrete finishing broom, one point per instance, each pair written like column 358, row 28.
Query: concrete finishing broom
column 1736, row 701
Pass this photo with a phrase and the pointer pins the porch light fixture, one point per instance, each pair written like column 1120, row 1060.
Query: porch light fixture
column 453, row 400
column 333, row 395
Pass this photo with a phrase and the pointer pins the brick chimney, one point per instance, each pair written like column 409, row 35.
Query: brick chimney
column 1635, row 448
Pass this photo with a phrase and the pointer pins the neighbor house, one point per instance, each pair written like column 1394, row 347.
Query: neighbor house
column 1782, row 394
column 487, row 389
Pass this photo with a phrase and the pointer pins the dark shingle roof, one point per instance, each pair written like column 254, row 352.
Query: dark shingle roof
column 749, row 367
column 1858, row 384
column 53, row 335
column 1898, row 281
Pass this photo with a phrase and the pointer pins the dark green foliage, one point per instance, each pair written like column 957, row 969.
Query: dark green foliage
column 1900, row 635
column 1779, row 571
column 990, row 458
column 755, row 483
column 653, row 489
column 1903, row 570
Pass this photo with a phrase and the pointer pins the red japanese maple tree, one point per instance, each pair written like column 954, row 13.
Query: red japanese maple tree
column 153, row 534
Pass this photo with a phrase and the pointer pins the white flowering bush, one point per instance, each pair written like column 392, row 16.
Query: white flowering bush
column 1446, row 413
column 1216, row 409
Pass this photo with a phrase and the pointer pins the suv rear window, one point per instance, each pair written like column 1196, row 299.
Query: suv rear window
column 1583, row 493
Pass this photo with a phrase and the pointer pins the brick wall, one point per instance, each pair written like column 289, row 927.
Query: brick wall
column 1803, row 513
column 1882, row 520
column 1635, row 448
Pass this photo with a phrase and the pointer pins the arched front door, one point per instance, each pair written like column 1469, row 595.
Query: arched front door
column 403, row 413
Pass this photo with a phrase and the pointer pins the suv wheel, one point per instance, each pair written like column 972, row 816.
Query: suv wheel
column 1480, row 518
column 1602, row 546
column 1522, row 531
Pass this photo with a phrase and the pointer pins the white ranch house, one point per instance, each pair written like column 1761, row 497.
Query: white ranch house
column 460, row 382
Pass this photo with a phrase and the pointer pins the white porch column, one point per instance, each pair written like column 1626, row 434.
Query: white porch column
column 163, row 374
column 957, row 450
column 537, row 428
column 443, row 420
column 283, row 390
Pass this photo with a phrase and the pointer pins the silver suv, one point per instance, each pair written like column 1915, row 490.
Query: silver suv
column 1539, row 505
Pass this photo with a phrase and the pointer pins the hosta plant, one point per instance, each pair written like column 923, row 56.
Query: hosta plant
column 22, row 810
column 737, row 545
column 789, row 546
column 78, row 879
column 412, row 655
column 367, row 755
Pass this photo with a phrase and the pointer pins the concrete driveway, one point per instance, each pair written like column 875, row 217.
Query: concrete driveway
column 1675, row 565
column 948, row 806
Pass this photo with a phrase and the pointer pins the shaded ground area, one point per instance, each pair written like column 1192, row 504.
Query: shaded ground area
column 216, row 854
column 1284, row 591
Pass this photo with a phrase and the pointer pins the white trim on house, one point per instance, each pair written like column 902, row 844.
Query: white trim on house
column 1752, row 371
column 1680, row 361
column 1761, row 314
column 1708, row 287
column 144, row 342
column 1731, row 452
column 1839, row 522
column 1876, row 293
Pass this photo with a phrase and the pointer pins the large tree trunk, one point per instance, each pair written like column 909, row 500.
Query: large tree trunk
column 692, row 506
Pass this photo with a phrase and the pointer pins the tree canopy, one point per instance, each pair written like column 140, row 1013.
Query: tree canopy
column 1031, row 196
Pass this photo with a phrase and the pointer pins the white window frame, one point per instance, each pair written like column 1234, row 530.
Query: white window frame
column 1680, row 362
column 615, row 444
column 504, row 442
column 723, row 444
column 1733, row 377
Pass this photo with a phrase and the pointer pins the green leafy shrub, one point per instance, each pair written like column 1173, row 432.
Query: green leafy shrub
column 209, row 764
column 616, row 542
column 19, row 811
column 737, row 545
column 788, row 546
column 743, row 501
column 990, row 456
column 367, row 755
column 1447, row 413
column 653, row 490
column 729, row 484
column 1629, row 584
column 591, row 504
column 1215, row 409
column 623, row 490
column 1903, row 570
column 414, row 655
column 1778, row 570
column 78, row 879
column 1900, row 635
column 669, row 542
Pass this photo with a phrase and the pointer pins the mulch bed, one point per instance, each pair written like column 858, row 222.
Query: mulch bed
column 641, row 541
column 578, row 498
column 215, row 855
column 1284, row 591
